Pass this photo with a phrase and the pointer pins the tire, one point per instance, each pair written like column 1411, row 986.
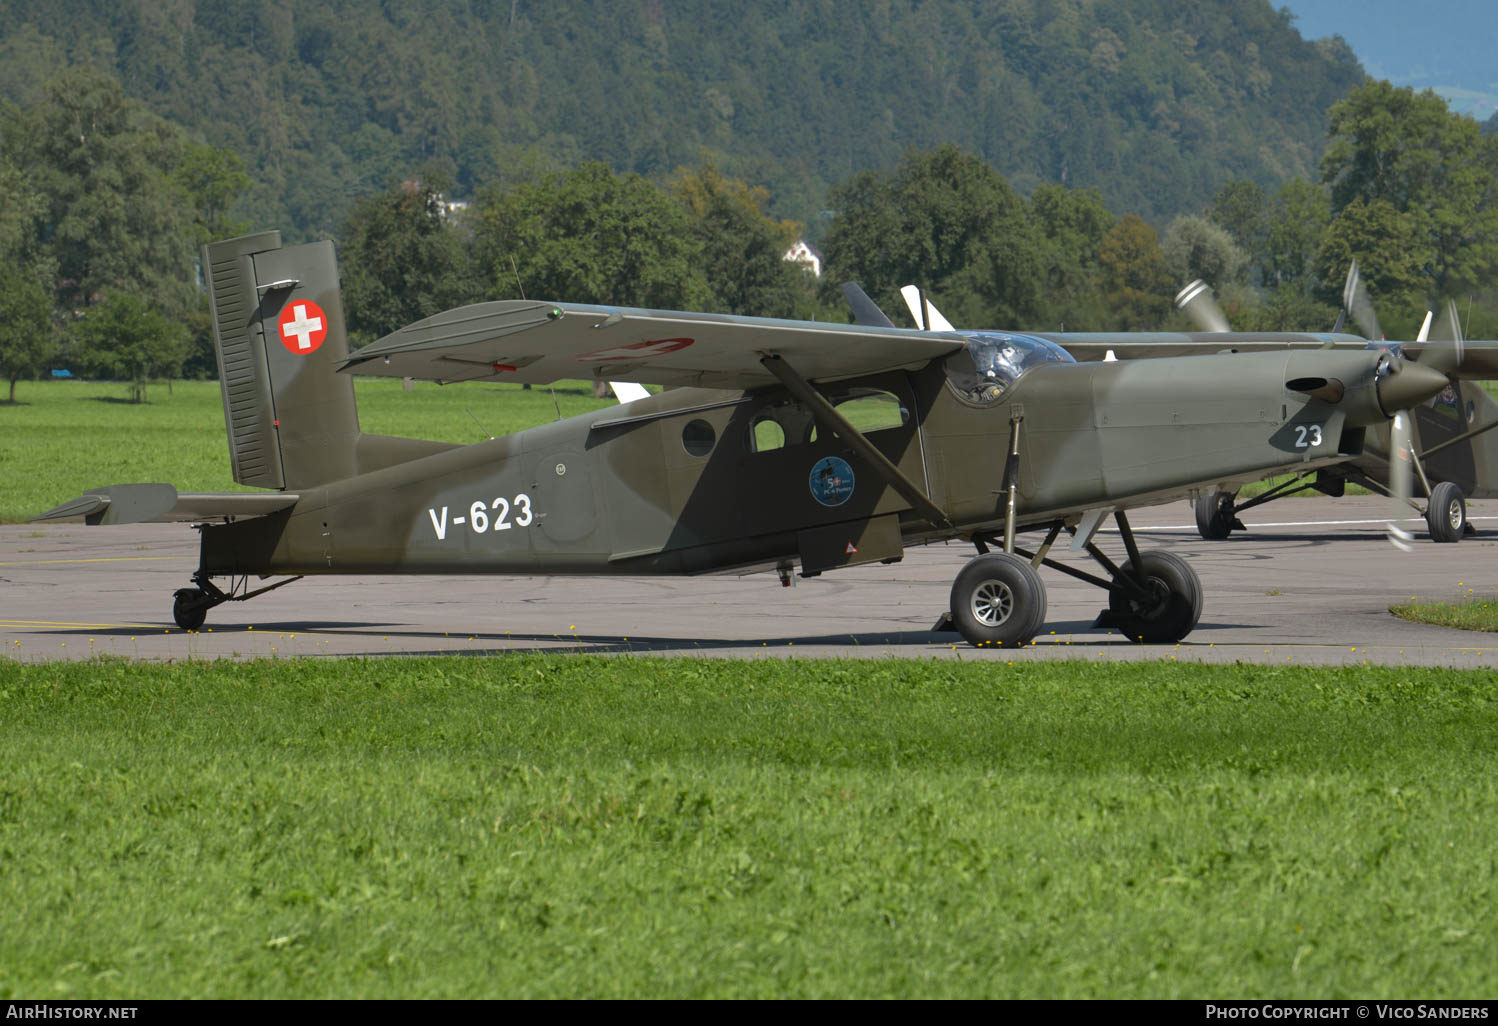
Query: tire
column 1446, row 515
column 1176, row 605
column 1214, row 515
column 998, row 599
column 190, row 608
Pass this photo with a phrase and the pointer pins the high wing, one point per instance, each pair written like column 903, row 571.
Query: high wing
column 537, row 343
column 159, row 503
column 1143, row 345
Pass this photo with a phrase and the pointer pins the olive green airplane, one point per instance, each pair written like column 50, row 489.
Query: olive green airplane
column 1450, row 454
column 1453, row 456
column 786, row 445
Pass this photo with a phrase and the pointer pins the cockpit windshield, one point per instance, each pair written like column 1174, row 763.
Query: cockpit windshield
column 992, row 361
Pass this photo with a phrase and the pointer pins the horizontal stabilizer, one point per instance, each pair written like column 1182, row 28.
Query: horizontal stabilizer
column 161, row 503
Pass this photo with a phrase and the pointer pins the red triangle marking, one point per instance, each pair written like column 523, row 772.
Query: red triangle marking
column 850, row 550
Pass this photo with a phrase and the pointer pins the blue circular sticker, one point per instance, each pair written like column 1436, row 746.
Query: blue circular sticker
column 831, row 481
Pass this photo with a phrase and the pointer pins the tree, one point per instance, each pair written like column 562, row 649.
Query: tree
column 403, row 258
column 1297, row 221
column 122, row 336
column 26, row 341
column 1239, row 207
column 945, row 220
column 1391, row 259
column 1292, row 306
column 743, row 249
column 113, row 218
column 1136, row 279
column 1196, row 248
column 213, row 179
column 590, row 236
column 1071, row 224
column 1407, row 150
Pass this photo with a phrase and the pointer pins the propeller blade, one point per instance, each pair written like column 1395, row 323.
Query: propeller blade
column 1424, row 332
column 1356, row 302
column 1458, row 344
column 1444, row 349
column 865, row 310
column 1195, row 300
column 922, row 311
column 1400, row 478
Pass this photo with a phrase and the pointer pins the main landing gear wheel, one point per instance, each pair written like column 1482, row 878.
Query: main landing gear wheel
column 1174, row 604
column 1215, row 519
column 998, row 599
column 1447, row 513
column 190, row 608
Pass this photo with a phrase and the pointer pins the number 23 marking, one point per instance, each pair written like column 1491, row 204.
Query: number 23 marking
column 1314, row 432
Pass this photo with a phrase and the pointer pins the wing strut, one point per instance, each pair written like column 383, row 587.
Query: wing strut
column 827, row 416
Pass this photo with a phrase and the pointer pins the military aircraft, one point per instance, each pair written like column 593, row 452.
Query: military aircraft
column 1448, row 449
column 785, row 445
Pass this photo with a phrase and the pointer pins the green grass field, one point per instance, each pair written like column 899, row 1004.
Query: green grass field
column 62, row 437
column 1469, row 614
column 572, row 826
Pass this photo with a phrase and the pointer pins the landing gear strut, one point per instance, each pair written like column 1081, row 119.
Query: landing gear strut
column 999, row 599
column 190, row 605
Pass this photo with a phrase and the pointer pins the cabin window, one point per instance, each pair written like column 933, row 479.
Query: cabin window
column 870, row 410
column 766, row 434
column 777, row 425
column 697, row 438
column 982, row 371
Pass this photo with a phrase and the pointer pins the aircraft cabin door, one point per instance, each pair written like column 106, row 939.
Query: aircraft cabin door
column 795, row 477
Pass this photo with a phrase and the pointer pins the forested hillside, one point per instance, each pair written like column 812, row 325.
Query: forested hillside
column 1155, row 103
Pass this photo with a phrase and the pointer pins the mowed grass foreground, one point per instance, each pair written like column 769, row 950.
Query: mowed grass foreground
column 570, row 826
column 63, row 437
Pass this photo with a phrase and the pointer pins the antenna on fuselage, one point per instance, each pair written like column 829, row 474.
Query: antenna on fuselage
column 525, row 387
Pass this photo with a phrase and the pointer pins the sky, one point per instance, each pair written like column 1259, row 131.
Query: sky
column 1450, row 46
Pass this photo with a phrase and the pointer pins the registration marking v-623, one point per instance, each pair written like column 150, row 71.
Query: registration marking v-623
column 479, row 520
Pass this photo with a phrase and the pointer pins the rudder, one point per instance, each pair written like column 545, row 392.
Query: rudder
column 279, row 334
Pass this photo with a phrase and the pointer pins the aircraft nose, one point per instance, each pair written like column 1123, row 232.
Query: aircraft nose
column 1407, row 384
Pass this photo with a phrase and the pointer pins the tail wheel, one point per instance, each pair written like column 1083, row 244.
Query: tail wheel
column 1214, row 515
column 190, row 608
column 1446, row 515
column 998, row 599
column 1174, row 605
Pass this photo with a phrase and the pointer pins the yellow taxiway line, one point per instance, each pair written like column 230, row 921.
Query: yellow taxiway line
column 100, row 559
column 60, row 623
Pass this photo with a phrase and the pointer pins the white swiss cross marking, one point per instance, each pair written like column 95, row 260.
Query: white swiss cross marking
column 303, row 326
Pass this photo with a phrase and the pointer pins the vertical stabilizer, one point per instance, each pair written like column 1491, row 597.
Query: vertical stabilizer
column 279, row 332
